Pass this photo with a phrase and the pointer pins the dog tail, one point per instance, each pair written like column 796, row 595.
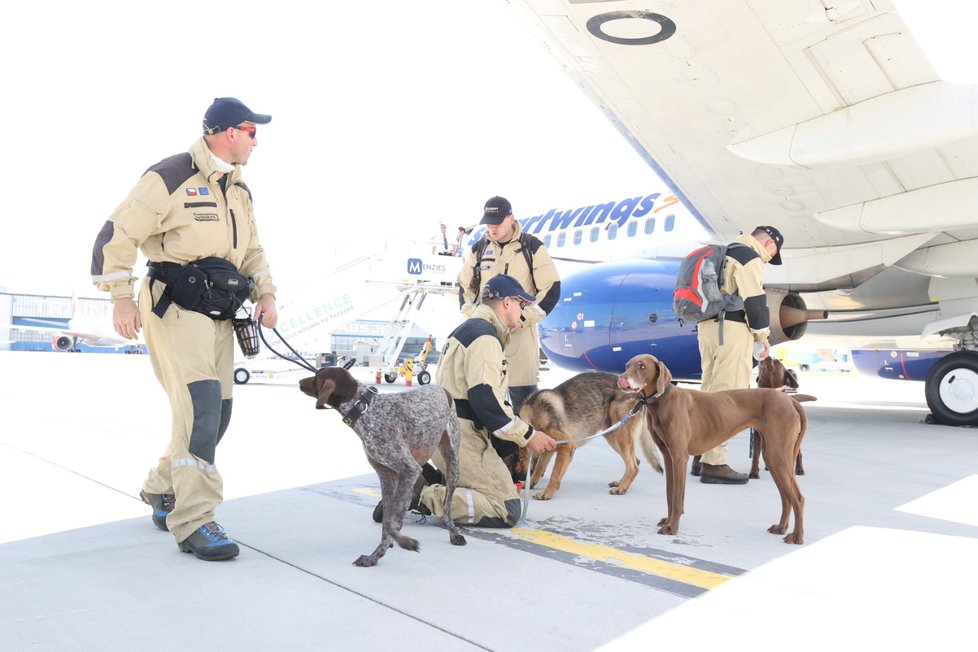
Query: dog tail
column 648, row 446
column 801, row 398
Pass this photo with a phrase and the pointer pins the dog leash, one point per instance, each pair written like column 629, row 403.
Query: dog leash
column 299, row 360
column 525, row 497
column 641, row 403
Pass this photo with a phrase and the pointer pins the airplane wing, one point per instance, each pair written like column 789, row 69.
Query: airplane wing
column 826, row 122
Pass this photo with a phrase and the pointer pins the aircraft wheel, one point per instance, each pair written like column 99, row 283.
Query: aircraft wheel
column 424, row 378
column 952, row 389
column 241, row 376
column 391, row 377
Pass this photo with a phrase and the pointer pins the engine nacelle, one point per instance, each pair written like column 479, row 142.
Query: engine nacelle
column 789, row 316
column 62, row 343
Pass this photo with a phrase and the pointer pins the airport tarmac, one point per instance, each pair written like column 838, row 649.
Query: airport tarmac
column 891, row 535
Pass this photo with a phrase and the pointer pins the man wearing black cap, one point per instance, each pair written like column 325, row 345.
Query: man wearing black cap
column 728, row 365
column 189, row 207
column 506, row 249
column 473, row 369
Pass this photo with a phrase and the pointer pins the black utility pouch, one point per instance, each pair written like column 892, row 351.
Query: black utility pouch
column 211, row 286
column 188, row 287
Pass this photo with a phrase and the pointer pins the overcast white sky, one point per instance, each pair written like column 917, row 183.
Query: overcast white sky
column 387, row 118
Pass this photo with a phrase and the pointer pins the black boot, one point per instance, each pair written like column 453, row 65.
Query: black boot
column 429, row 475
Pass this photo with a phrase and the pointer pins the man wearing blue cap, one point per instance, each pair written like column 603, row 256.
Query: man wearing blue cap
column 185, row 209
column 507, row 249
column 473, row 370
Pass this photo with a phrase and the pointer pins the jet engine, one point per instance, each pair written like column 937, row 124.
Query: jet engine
column 62, row 343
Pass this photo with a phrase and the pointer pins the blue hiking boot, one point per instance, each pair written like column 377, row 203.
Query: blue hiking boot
column 162, row 505
column 210, row 542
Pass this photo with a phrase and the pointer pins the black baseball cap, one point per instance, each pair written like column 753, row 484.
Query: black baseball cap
column 502, row 286
column 496, row 210
column 226, row 112
column 778, row 240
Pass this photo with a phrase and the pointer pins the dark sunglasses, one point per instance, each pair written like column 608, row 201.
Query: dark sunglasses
column 250, row 129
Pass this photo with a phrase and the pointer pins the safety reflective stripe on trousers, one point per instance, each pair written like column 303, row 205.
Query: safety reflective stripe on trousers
column 470, row 504
column 189, row 461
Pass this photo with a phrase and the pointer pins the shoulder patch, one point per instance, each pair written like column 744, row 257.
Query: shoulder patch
column 742, row 253
column 473, row 329
column 174, row 171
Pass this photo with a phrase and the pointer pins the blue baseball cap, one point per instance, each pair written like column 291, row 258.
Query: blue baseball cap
column 502, row 286
column 227, row 112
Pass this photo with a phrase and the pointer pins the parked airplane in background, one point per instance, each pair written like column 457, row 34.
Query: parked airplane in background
column 828, row 122
column 90, row 331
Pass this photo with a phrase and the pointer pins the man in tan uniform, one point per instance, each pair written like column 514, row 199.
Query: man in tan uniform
column 728, row 365
column 185, row 208
column 506, row 249
column 474, row 371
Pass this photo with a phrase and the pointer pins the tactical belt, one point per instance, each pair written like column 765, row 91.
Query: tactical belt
column 734, row 315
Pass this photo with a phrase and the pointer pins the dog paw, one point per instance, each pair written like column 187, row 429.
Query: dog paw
column 754, row 475
column 794, row 538
column 457, row 540
column 616, row 490
column 668, row 529
column 365, row 561
column 614, row 483
column 778, row 529
column 408, row 543
column 541, row 496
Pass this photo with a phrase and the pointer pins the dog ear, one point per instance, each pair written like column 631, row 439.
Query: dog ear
column 326, row 389
column 790, row 378
column 663, row 378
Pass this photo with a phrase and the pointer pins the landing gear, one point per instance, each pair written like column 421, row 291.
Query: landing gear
column 952, row 389
column 241, row 376
column 424, row 378
column 390, row 376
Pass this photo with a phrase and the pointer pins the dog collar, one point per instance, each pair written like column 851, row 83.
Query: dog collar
column 360, row 405
column 647, row 400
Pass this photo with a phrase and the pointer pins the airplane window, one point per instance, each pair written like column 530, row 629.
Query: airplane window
column 670, row 222
column 612, row 231
column 595, row 232
column 578, row 236
column 632, row 229
column 649, row 225
column 561, row 237
column 546, row 240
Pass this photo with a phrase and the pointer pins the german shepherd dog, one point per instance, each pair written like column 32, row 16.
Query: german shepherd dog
column 582, row 406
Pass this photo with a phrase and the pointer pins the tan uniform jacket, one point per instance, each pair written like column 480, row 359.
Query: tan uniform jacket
column 177, row 212
column 473, row 370
column 542, row 281
column 747, row 281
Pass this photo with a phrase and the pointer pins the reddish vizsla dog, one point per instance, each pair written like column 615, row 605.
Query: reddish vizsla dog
column 772, row 374
column 686, row 422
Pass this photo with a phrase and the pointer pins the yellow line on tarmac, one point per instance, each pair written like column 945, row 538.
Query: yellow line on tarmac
column 677, row 572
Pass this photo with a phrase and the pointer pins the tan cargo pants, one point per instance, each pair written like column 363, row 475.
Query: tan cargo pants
column 193, row 358
column 724, row 367
column 486, row 495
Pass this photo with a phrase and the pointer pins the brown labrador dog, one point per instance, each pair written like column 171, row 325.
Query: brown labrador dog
column 686, row 422
column 772, row 374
